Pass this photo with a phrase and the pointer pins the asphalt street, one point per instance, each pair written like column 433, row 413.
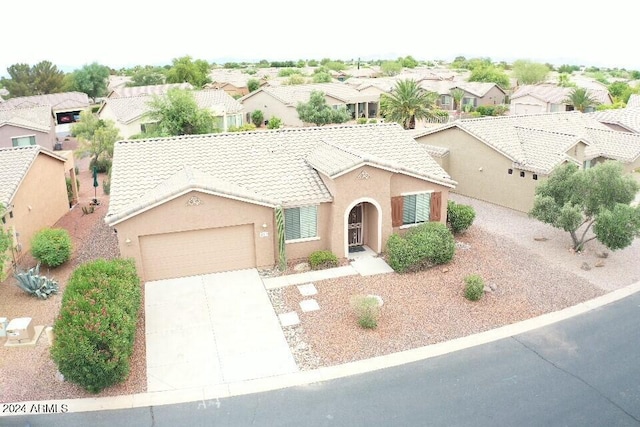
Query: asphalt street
column 584, row 371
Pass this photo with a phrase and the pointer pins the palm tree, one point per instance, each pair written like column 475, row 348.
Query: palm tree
column 457, row 94
column 407, row 103
column 581, row 99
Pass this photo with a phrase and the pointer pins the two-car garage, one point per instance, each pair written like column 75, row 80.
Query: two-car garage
column 193, row 252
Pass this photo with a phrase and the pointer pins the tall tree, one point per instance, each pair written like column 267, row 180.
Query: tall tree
column 391, row 68
column 91, row 79
column 253, row 85
column 490, row 74
column 597, row 199
column 96, row 137
column 407, row 103
column 185, row 69
column 317, row 111
column 178, row 113
column 25, row 80
column 457, row 94
column 529, row 73
column 147, row 76
column 581, row 99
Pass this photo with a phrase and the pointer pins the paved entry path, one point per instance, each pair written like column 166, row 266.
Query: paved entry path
column 212, row 329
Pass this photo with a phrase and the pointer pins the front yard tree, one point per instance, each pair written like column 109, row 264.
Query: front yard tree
column 490, row 74
column 317, row 111
column 407, row 103
column 529, row 73
column 186, row 70
column 178, row 113
column 96, row 137
column 597, row 199
column 581, row 99
column 91, row 79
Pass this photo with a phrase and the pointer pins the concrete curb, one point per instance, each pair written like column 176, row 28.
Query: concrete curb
column 208, row 396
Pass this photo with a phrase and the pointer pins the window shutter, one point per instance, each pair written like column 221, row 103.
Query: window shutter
column 396, row 211
column 409, row 209
column 292, row 223
column 423, row 212
column 436, row 206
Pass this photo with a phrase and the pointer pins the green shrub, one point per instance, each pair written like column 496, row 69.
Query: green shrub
column 459, row 217
column 322, row 259
column 362, row 120
column 373, row 121
column 51, row 246
column 432, row 243
column 400, row 254
column 367, row 310
column 95, row 329
column 257, row 117
column 474, row 287
column 247, row 127
column 102, row 165
column 274, row 123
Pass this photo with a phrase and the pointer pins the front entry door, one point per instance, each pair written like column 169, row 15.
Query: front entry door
column 355, row 226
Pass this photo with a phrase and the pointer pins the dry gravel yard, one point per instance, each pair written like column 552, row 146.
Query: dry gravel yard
column 530, row 277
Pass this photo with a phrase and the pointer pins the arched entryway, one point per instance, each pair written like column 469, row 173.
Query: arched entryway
column 363, row 225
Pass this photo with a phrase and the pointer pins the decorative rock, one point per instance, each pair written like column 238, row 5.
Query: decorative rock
column 602, row 254
column 585, row 266
column 487, row 288
column 445, row 270
column 599, row 263
column 59, row 376
column 540, row 239
column 301, row 267
column 462, row 245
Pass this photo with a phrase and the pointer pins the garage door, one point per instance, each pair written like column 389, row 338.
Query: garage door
column 188, row 253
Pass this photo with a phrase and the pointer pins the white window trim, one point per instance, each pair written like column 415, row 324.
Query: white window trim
column 413, row 193
column 306, row 239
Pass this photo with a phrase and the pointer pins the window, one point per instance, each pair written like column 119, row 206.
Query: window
column 445, row 100
column 521, row 174
column 416, row 208
column 510, row 171
column 535, row 176
column 470, row 101
column 301, row 223
column 23, row 141
column 149, row 127
column 586, row 164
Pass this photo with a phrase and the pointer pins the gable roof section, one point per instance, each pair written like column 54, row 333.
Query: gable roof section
column 268, row 167
column 535, row 142
column 628, row 118
column 478, row 89
column 292, row 94
column 14, row 165
column 634, row 101
column 622, row 146
column 57, row 101
column 125, row 91
column 37, row 118
column 553, row 94
column 126, row 110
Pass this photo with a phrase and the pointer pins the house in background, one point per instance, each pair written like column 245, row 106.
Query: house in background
column 124, row 91
column 501, row 160
column 66, row 107
column 620, row 119
column 27, row 126
column 549, row 98
column 281, row 101
column 33, row 190
column 129, row 114
column 234, row 82
column 476, row 94
column 207, row 203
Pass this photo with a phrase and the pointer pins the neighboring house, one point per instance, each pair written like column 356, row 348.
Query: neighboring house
column 66, row 106
column 621, row 119
column 33, row 190
column 502, row 159
column 206, row 203
column 234, row 82
column 281, row 101
column 634, row 101
column 548, row 98
column 27, row 126
column 129, row 114
column 127, row 92
column 475, row 93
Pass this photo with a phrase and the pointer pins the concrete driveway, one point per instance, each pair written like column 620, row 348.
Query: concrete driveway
column 210, row 330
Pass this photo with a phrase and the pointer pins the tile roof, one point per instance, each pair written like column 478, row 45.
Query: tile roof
column 292, row 94
column 268, row 167
column 628, row 118
column 131, row 108
column 125, row 92
column 15, row 162
column 622, row 146
column 38, row 118
column 634, row 101
column 536, row 142
column 57, row 101
column 557, row 95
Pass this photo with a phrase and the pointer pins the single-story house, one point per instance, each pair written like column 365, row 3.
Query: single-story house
column 130, row 113
column 33, row 191
column 206, row 203
column 124, row 91
column 66, row 106
column 502, row 159
column 234, row 82
column 621, row 119
column 476, row 94
column 281, row 101
column 22, row 126
column 549, row 98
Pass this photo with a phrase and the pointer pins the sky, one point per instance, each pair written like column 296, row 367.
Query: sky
column 119, row 33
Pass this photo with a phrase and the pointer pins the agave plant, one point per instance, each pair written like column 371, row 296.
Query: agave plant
column 33, row 283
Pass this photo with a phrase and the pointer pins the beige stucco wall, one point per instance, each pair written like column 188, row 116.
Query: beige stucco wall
column 494, row 96
column 271, row 107
column 214, row 211
column 482, row 173
column 297, row 250
column 43, row 139
column 528, row 105
column 126, row 130
column 41, row 200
